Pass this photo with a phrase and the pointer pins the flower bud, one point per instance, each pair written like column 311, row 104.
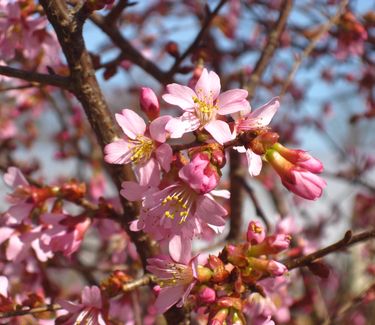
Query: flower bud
column 300, row 158
column 255, row 232
column 276, row 268
column 218, row 268
column 233, row 302
column 263, row 142
column 149, row 103
column 207, row 295
column 219, row 317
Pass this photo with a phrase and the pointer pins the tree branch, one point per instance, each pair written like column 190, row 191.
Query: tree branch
column 87, row 90
column 130, row 52
column 322, row 31
column 209, row 18
column 348, row 240
column 35, row 77
column 269, row 49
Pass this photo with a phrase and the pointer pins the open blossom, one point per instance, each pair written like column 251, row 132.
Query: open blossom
column 89, row 311
column 202, row 105
column 298, row 171
column 255, row 120
column 175, row 279
column 26, row 34
column 145, row 148
column 177, row 212
column 64, row 233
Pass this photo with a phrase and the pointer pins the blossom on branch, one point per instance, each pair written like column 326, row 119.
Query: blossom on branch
column 142, row 146
column 203, row 105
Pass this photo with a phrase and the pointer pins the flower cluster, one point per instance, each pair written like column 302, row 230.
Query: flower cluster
column 222, row 288
column 177, row 188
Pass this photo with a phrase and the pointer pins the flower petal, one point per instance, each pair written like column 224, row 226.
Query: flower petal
column 263, row 115
column 14, row 248
column 118, row 152
column 177, row 127
column 181, row 96
column 157, row 128
column 131, row 123
column 210, row 211
column 164, row 155
column 180, row 249
column 220, row 131
column 208, row 86
column 132, row 191
column 168, row 297
column 254, row 162
column 233, row 101
column 14, row 177
column 148, row 173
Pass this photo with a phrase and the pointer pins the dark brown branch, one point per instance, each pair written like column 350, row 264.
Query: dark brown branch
column 209, row 18
column 269, row 49
column 348, row 240
column 35, row 77
column 112, row 17
column 87, row 90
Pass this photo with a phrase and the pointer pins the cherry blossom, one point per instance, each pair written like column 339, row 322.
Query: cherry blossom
column 145, row 148
column 202, row 105
column 89, row 311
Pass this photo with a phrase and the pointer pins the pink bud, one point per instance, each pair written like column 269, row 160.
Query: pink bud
column 200, row 174
column 255, row 233
column 306, row 185
column 207, row 295
column 149, row 103
column 276, row 268
column 277, row 243
column 300, row 158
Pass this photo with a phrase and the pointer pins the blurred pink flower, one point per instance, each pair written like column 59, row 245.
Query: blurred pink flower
column 175, row 278
column 89, row 311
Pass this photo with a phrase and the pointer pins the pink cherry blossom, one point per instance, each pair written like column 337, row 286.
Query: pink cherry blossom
column 177, row 212
column 255, row 232
column 258, row 119
column 145, row 148
column 199, row 175
column 202, row 105
column 176, row 279
column 64, row 233
column 89, row 311
column 26, row 34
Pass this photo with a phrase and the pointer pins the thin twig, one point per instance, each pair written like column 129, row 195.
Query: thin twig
column 269, row 49
column 322, row 31
column 254, row 199
column 347, row 241
column 209, row 18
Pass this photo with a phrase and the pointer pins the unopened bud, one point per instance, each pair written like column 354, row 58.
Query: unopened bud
column 207, row 295
column 263, row 142
column 149, row 103
column 172, row 49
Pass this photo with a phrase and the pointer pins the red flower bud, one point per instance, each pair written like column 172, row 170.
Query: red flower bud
column 149, row 103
